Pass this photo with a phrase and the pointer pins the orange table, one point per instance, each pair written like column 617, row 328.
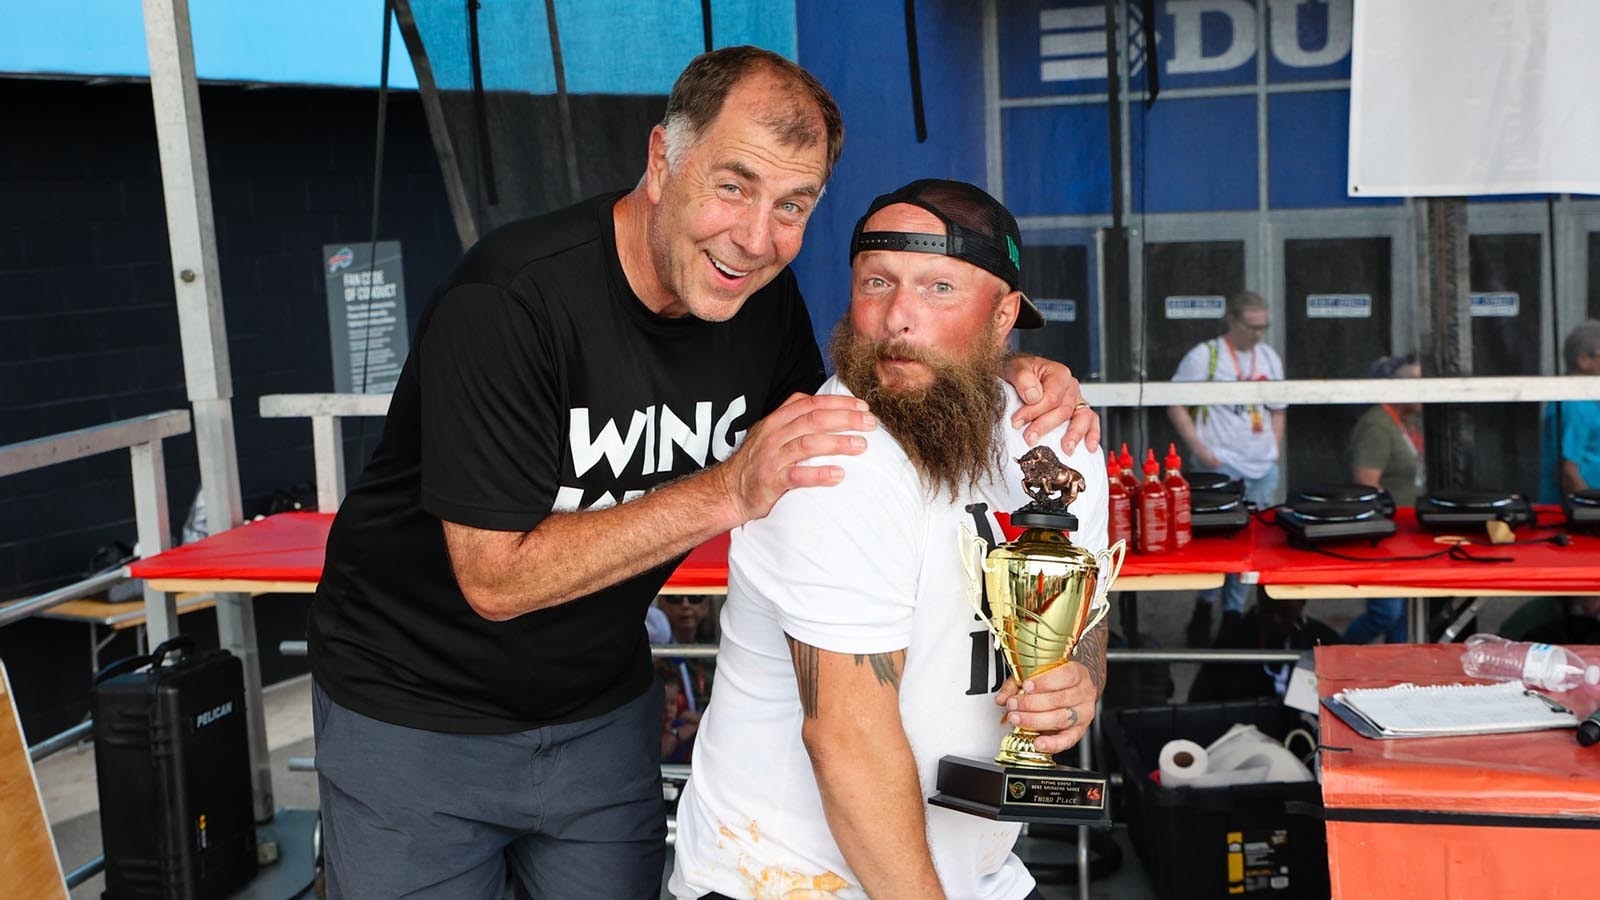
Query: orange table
column 1469, row 818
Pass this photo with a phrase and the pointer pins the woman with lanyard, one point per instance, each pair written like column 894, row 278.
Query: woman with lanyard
column 1386, row 452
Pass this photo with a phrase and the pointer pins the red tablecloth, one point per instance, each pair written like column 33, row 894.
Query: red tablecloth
column 284, row 547
column 1574, row 567
column 290, row 547
column 706, row 566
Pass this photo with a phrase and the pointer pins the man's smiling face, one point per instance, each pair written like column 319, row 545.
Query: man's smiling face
column 731, row 212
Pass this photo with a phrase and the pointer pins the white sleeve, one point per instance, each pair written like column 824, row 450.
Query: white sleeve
column 1194, row 364
column 839, row 564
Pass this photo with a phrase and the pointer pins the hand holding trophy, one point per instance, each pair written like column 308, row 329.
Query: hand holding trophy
column 1043, row 594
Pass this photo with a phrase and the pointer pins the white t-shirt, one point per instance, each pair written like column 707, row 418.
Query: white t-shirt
column 871, row 565
column 1230, row 431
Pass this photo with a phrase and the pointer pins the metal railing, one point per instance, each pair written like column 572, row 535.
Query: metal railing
column 141, row 437
column 327, row 444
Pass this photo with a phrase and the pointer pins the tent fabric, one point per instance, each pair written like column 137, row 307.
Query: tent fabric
column 1474, row 97
column 1573, row 568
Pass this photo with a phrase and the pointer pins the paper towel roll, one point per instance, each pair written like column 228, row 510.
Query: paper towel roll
column 1181, row 762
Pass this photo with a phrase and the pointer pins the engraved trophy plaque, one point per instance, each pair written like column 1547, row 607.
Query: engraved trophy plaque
column 1044, row 593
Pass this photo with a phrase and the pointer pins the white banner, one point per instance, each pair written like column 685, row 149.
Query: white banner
column 1470, row 97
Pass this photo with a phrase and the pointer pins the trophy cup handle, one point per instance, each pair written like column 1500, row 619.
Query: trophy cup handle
column 974, row 552
column 1110, row 560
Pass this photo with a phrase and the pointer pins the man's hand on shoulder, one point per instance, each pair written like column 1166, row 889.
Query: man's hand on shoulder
column 1050, row 396
column 769, row 462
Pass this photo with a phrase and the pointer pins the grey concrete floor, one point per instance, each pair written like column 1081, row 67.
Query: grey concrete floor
column 67, row 780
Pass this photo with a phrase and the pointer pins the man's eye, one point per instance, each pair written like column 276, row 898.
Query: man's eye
column 943, row 287
column 877, row 282
column 732, row 190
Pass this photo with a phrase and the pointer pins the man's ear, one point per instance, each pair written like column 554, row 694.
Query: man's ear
column 655, row 167
column 1005, row 313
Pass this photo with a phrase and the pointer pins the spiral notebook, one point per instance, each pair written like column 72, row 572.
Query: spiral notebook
column 1409, row 710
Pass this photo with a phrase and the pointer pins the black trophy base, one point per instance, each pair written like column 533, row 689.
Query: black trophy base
column 1059, row 794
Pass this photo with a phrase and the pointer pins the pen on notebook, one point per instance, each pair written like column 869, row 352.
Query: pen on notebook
column 1555, row 707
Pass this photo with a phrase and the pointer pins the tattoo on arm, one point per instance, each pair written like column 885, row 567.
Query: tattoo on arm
column 805, row 673
column 883, row 667
column 886, row 667
column 1092, row 653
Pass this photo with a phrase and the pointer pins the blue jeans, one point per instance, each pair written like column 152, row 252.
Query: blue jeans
column 575, row 809
column 1385, row 616
column 1233, row 591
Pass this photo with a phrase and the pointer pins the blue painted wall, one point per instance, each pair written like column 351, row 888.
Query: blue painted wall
column 858, row 51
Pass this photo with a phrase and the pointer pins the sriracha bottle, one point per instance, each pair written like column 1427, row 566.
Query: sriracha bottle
column 1155, row 514
column 1130, row 478
column 1120, row 521
column 1177, row 498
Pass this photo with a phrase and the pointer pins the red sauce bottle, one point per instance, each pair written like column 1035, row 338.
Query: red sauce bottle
column 1177, row 498
column 1130, row 478
column 1155, row 514
column 1119, row 526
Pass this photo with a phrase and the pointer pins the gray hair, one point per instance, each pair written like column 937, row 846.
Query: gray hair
column 1584, row 340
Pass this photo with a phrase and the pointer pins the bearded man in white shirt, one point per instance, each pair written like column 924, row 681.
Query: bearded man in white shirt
column 851, row 660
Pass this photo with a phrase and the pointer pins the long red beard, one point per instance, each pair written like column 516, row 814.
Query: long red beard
column 950, row 429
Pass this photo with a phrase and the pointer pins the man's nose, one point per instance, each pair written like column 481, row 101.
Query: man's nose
column 900, row 313
column 753, row 233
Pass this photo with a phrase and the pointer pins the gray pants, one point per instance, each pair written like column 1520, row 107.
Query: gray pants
column 574, row 809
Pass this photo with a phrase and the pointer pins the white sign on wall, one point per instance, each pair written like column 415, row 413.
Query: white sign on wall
column 1196, row 306
column 1496, row 304
column 1338, row 306
column 1057, row 310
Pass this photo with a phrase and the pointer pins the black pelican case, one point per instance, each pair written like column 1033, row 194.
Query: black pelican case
column 172, row 754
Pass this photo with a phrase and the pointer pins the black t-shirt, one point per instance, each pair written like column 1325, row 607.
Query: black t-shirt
column 537, row 382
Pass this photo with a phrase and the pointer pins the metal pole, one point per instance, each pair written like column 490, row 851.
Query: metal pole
column 1443, row 278
column 191, row 233
column 150, row 511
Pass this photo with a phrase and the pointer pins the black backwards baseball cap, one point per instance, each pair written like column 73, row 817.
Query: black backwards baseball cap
column 978, row 230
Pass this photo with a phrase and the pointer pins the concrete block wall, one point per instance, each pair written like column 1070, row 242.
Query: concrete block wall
column 88, row 323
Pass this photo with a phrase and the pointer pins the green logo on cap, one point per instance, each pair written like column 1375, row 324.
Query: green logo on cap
column 1014, row 253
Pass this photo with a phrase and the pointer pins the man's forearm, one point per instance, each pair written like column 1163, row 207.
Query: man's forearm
column 874, row 806
column 1092, row 653
column 570, row 555
column 1571, row 478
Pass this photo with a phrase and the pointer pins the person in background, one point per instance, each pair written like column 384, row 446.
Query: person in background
column 677, row 730
column 1242, row 441
column 1570, row 449
column 1386, row 451
column 691, row 623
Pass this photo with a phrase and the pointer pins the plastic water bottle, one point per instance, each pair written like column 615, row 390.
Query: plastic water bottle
column 1535, row 665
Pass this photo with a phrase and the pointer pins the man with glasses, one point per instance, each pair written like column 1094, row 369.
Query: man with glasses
column 1240, row 440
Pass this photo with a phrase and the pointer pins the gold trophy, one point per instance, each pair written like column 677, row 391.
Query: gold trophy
column 1043, row 593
